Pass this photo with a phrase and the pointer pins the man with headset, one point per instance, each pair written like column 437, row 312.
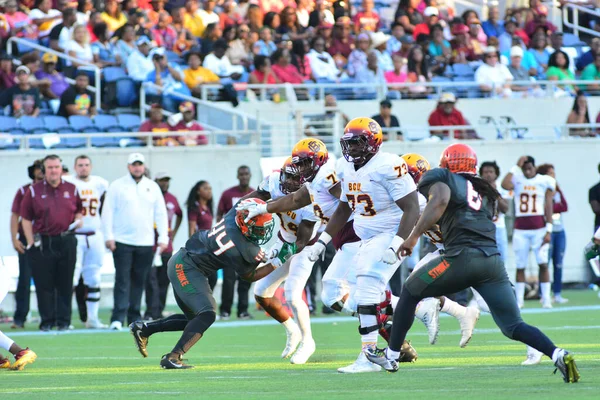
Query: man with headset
column 51, row 210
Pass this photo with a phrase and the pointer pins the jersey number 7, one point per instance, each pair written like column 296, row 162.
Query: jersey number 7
column 219, row 230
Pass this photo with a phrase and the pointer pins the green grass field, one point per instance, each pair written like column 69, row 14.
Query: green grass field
column 238, row 360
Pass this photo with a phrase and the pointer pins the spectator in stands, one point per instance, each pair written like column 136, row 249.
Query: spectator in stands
column 85, row 8
column 321, row 15
column 219, row 63
column 195, row 76
column 558, row 69
column 408, row 15
column 540, row 23
column 323, row 66
column 22, row 98
column 475, row 36
column 398, row 40
column 139, row 63
column 511, row 29
column 367, row 20
column 58, row 83
column 325, row 31
column 580, row 115
column 212, row 33
column 592, row 73
column 358, row 58
column 62, row 33
column 79, row 47
column 556, row 41
column 282, row 67
column 94, row 20
column 342, row 42
column 240, row 48
column 77, row 99
column 155, row 122
column 104, row 51
column 44, row 17
column 516, row 68
column 113, row 16
column 229, row 17
column 439, row 48
column 133, row 207
column 163, row 33
column 192, row 20
column 493, row 27
column 379, row 45
column 431, row 15
column 387, row 120
column 594, row 198
column 126, row 46
column 153, row 13
column 168, row 77
column 299, row 53
column 417, row 72
column 20, row 23
column 7, row 75
column 289, row 24
column 372, row 74
column 589, row 56
column 207, row 13
column 139, row 22
column 528, row 61
column 265, row 46
column 185, row 40
column 540, row 52
column 462, row 49
column 398, row 75
column 492, row 76
column 263, row 73
column 185, row 122
column 558, row 242
column 271, row 21
column 254, row 18
column 446, row 114
column 303, row 9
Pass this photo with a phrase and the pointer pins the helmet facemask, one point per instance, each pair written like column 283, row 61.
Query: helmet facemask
column 259, row 235
column 356, row 149
column 289, row 182
column 304, row 169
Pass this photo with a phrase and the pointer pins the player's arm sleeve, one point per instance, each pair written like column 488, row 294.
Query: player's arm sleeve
column 308, row 214
column 108, row 212
column 160, row 216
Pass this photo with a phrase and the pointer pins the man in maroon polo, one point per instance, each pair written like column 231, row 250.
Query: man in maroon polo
column 228, row 199
column 50, row 212
column 23, row 292
column 157, row 284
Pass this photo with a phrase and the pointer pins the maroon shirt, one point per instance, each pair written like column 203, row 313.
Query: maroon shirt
column 173, row 209
column 16, row 205
column 50, row 209
column 202, row 215
column 230, row 197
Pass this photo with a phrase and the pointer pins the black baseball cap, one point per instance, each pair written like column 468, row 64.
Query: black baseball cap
column 386, row 103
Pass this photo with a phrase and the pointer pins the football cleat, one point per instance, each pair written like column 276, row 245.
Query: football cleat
column 428, row 312
column 116, row 325
column 558, row 299
column 23, row 358
column 4, row 362
column 546, row 303
column 293, row 340
column 362, row 137
column 467, row 324
column 379, row 357
column 361, row 365
column 173, row 361
column 95, row 324
column 408, row 354
column 533, row 356
column 567, row 367
column 305, row 350
column 141, row 341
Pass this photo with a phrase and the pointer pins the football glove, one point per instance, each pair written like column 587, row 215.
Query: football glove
column 390, row 256
column 254, row 209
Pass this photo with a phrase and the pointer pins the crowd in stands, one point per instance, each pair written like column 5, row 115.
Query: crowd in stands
column 180, row 46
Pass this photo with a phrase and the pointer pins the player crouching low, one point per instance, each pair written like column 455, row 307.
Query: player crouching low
column 231, row 242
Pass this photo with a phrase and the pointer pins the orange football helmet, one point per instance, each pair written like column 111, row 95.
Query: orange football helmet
column 417, row 165
column 260, row 228
column 289, row 181
column 459, row 158
column 308, row 155
column 362, row 136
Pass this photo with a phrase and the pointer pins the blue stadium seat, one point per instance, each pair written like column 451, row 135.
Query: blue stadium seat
column 7, row 123
column 73, row 142
column 32, row 124
column 463, row 70
column 57, row 124
column 173, row 57
column 130, row 122
column 108, row 123
column 127, row 94
column 113, row 74
column 570, row 40
column 82, row 123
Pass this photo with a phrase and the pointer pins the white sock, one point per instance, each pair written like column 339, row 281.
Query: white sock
column 392, row 355
column 290, row 326
column 545, row 289
column 520, row 292
column 366, row 321
column 302, row 317
column 480, row 301
column 557, row 353
column 453, row 308
column 92, row 310
column 395, row 300
column 5, row 341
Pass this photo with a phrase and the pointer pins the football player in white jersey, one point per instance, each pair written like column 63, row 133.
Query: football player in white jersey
column 378, row 190
column 428, row 309
column 90, row 241
column 297, row 228
column 533, row 223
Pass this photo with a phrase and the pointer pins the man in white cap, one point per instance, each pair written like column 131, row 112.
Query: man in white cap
column 139, row 63
column 22, row 98
column 431, row 15
column 133, row 206
column 492, row 76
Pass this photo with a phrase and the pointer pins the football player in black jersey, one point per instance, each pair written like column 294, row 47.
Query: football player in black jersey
column 462, row 203
column 232, row 242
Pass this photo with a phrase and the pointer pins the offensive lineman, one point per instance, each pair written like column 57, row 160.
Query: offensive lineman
column 463, row 205
column 534, row 195
column 297, row 227
column 231, row 242
column 90, row 241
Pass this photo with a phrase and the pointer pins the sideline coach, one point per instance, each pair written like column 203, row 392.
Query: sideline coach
column 50, row 212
